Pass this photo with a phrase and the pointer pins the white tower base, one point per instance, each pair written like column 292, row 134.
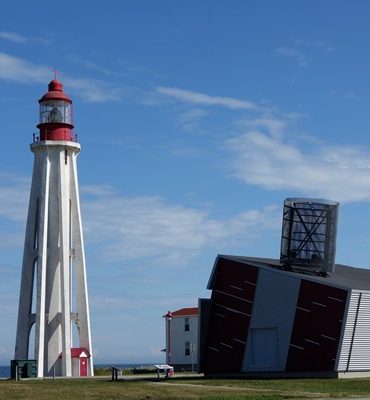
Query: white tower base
column 53, row 263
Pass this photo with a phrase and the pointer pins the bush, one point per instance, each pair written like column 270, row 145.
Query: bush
column 102, row 371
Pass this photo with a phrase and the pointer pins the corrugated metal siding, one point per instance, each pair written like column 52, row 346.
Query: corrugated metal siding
column 355, row 351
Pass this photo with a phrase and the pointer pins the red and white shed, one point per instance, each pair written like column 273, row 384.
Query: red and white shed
column 80, row 361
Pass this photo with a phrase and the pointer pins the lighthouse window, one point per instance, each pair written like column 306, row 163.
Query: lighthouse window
column 55, row 111
column 56, row 115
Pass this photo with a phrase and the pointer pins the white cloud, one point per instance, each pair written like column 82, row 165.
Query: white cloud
column 137, row 227
column 348, row 95
column 21, row 71
column 323, row 44
column 88, row 64
column 12, row 240
column 14, row 193
column 291, row 52
column 20, row 39
column 274, row 125
column 334, row 172
column 186, row 152
column 189, row 120
column 131, row 310
column 93, row 190
column 296, row 53
column 13, row 37
column 191, row 97
column 93, row 90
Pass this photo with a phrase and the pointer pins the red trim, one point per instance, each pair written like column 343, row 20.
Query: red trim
column 55, row 131
column 77, row 351
column 185, row 312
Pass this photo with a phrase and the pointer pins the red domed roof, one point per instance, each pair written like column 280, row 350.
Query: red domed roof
column 55, row 92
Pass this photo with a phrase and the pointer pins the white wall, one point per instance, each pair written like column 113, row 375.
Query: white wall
column 179, row 337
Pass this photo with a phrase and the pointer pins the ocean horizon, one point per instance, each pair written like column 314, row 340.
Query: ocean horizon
column 4, row 371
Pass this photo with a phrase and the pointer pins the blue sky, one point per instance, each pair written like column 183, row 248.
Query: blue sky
column 196, row 120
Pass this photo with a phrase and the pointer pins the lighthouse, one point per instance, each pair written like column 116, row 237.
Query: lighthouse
column 53, row 294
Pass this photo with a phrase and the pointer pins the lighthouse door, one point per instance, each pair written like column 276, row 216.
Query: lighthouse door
column 83, row 366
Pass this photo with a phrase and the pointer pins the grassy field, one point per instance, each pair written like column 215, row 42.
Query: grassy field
column 184, row 389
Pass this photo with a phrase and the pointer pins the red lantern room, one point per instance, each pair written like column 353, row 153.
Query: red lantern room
column 55, row 114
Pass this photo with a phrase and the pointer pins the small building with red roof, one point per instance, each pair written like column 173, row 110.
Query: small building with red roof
column 80, row 361
column 181, row 327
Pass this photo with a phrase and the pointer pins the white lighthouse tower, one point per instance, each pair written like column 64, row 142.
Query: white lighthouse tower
column 53, row 293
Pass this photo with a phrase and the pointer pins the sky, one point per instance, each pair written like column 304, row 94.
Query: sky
column 196, row 120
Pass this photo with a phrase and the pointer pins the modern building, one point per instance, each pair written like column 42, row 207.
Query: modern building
column 53, row 296
column 273, row 317
column 182, row 338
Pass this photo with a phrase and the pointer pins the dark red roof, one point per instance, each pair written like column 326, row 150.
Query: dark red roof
column 76, row 352
column 55, row 92
column 185, row 312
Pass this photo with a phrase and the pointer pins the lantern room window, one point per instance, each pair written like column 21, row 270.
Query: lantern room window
column 55, row 111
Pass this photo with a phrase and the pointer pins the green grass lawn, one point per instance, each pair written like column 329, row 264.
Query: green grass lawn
column 202, row 389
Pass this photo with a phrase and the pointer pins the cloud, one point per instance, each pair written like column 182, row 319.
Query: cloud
column 88, row 64
column 189, row 120
column 191, row 97
column 127, row 228
column 348, row 95
column 12, row 240
column 21, row 71
column 274, row 125
column 14, row 194
column 17, row 38
column 93, row 90
column 293, row 53
column 306, row 45
column 186, row 152
column 132, row 228
column 323, row 44
column 130, row 310
column 273, row 163
column 13, row 37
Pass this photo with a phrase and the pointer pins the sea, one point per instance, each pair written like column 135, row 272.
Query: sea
column 5, row 370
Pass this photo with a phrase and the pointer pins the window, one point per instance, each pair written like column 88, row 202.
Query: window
column 187, row 324
column 187, row 348
column 55, row 111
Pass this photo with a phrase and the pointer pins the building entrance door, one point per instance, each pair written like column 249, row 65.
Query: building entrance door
column 83, row 366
